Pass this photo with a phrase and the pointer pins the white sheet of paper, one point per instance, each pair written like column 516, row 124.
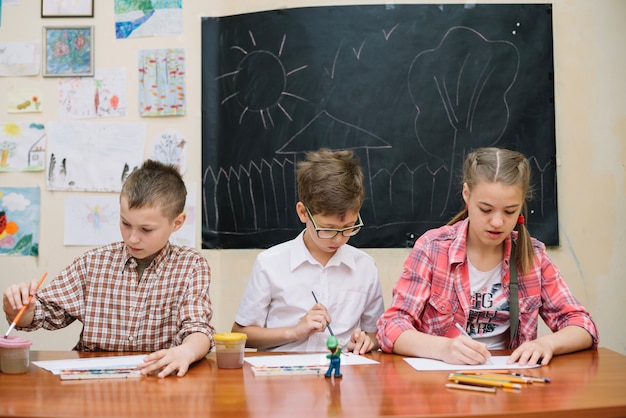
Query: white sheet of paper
column 499, row 363
column 95, row 363
column 314, row 359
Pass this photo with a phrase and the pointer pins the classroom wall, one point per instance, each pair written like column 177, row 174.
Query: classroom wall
column 589, row 61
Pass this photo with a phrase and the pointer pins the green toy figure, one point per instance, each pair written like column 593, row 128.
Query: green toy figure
column 335, row 352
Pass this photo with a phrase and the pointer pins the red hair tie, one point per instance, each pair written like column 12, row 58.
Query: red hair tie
column 520, row 220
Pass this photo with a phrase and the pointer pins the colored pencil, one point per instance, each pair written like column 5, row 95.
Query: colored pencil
column 491, row 389
column 537, row 379
column 464, row 333
column 483, row 381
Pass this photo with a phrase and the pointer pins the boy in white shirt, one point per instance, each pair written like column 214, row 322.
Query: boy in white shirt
column 302, row 291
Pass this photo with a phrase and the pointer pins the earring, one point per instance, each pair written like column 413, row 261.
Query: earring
column 520, row 220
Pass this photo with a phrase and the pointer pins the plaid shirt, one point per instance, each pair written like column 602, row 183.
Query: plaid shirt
column 121, row 312
column 433, row 291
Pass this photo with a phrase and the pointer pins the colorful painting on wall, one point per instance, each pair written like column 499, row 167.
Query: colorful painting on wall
column 138, row 18
column 103, row 95
column 162, row 82
column 68, row 51
column 19, row 221
column 22, row 146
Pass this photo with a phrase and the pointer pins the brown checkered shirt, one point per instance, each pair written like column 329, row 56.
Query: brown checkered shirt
column 121, row 312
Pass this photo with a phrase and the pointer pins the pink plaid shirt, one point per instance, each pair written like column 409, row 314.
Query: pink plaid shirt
column 433, row 291
column 120, row 312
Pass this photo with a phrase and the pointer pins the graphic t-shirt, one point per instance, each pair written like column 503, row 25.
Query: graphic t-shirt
column 489, row 316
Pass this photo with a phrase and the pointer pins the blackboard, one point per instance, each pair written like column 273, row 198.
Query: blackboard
column 410, row 88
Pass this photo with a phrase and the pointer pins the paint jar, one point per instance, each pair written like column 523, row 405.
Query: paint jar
column 229, row 349
column 14, row 355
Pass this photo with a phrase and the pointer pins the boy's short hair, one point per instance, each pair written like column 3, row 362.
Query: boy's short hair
column 156, row 184
column 330, row 182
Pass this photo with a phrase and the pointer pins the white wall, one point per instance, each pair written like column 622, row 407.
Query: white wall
column 590, row 63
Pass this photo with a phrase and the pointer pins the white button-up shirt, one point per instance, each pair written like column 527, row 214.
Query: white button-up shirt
column 278, row 293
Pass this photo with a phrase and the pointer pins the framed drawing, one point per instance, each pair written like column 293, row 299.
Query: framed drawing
column 68, row 51
column 67, row 8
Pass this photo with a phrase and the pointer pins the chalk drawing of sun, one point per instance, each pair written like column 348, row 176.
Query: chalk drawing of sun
column 260, row 82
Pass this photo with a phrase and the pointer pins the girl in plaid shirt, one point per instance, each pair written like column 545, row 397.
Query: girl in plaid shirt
column 459, row 274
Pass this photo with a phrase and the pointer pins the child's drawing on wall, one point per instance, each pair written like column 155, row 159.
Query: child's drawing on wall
column 19, row 58
column 170, row 147
column 19, row 220
column 93, row 156
column 103, row 95
column 161, row 82
column 138, row 18
column 24, row 100
column 22, row 146
column 92, row 219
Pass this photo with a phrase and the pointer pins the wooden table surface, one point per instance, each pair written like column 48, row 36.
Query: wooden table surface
column 585, row 384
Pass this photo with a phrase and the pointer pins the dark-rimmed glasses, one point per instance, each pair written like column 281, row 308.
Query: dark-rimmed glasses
column 329, row 233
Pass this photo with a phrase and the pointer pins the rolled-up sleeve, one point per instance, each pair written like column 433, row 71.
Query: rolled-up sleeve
column 559, row 306
column 410, row 294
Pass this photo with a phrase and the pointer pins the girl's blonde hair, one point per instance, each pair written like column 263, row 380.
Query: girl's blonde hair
column 497, row 165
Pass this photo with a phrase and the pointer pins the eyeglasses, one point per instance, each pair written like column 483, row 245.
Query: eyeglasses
column 328, row 233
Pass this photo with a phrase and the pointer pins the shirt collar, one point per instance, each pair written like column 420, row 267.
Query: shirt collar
column 158, row 261
column 458, row 249
column 301, row 254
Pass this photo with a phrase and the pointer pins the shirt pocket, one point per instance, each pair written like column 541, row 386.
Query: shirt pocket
column 164, row 304
column 346, row 314
column 160, row 312
column 438, row 315
column 529, row 315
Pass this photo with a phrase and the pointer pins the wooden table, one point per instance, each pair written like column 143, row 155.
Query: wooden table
column 585, row 384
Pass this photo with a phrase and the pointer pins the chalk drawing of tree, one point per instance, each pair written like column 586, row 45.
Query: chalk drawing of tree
column 464, row 116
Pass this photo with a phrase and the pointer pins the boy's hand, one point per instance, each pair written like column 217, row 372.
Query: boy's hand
column 360, row 342
column 176, row 360
column 15, row 297
column 315, row 320
column 163, row 363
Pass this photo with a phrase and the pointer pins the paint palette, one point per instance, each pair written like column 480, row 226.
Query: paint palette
column 287, row 370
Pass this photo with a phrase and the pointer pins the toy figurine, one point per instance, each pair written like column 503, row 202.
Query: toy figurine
column 335, row 356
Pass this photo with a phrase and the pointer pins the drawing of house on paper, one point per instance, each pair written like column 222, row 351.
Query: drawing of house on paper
column 22, row 147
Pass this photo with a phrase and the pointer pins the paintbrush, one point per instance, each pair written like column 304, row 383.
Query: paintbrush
column 327, row 325
column 21, row 312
